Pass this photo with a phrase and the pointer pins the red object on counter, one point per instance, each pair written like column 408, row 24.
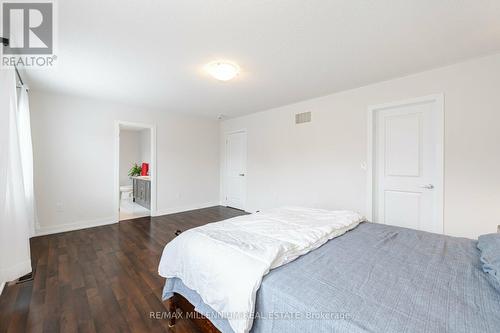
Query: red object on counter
column 144, row 169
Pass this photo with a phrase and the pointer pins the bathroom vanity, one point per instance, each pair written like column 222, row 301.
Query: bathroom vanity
column 142, row 190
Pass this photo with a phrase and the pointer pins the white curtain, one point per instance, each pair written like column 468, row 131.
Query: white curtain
column 26, row 150
column 16, row 180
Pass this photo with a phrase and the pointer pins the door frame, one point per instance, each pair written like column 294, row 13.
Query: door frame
column 226, row 136
column 438, row 99
column 152, row 166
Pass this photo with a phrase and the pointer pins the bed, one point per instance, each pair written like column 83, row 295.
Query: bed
column 372, row 278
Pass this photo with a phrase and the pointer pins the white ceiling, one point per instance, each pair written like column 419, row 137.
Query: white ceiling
column 152, row 53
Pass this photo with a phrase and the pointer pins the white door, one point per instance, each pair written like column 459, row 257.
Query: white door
column 236, row 163
column 408, row 165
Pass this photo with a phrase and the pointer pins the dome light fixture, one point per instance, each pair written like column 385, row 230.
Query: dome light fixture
column 222, row 70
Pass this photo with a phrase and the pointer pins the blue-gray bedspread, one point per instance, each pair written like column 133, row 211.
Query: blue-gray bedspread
column 375, row 278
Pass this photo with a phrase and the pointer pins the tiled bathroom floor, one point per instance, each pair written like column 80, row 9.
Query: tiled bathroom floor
column 131, row 210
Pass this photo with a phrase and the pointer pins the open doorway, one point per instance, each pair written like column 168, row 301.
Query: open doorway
column 135, row 165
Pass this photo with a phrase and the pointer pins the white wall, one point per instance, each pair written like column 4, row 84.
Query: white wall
column 73, row 141
column 318, row 164
column 135, row 147
column 145, row 146
column 130, row 153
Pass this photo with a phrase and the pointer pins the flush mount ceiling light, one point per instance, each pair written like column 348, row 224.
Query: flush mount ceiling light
column 223, row 71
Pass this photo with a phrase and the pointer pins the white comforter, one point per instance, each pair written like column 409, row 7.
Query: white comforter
column 225, row 262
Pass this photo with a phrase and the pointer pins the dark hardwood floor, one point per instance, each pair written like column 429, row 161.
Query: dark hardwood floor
column 102, row 279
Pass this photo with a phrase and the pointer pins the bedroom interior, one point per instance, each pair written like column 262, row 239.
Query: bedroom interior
column 265, row 166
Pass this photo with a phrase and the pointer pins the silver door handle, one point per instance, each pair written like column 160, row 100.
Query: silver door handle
column 242, row 175
column 428, row 186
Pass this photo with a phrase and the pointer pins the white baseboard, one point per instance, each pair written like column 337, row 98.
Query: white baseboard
column 42, row 231
column 74, row 226
column 225, row 204
column 180, row 209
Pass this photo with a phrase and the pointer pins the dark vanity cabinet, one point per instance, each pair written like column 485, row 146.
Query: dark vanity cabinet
column 142, row 192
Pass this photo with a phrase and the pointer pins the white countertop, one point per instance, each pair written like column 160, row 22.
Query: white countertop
column 142, row 177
